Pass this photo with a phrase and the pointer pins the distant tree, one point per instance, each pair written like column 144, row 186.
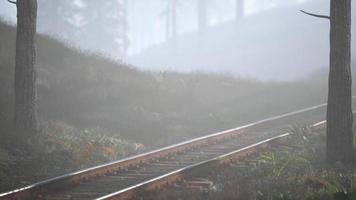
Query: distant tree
column 90, row 24
column 25, row 120
column 54, row 16
column 167, row 15
column 170, row 15
column 123, row 36
column 202, row 15
column 240, row 9
column 174, row 17
column 339, row 109
column 105, row 25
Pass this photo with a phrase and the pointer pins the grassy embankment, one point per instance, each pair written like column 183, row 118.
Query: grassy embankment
column 85, row 100
column 293, row 171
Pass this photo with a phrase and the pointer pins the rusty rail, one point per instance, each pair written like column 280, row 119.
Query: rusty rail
column 181, row 174
column 102, row 170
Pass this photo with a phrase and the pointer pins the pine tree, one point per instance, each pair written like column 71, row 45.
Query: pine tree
column 25, row 121
column 339, row 112
column 240, row 9
column 202, row 15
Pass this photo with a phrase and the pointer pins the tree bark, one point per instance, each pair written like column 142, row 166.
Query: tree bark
column 25, row 74
column 339, row 110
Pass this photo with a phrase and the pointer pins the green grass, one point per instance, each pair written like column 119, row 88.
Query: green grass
column 59, row 149
column 115, row 102
column 155, row 108
column 293, row 171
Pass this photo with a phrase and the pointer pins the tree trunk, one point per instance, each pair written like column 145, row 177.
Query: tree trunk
column 339, row 110
column 168, row 21
column 174, row 18
column 202, row 15
column 240, row 9
column 25, row 75
column 124, row 35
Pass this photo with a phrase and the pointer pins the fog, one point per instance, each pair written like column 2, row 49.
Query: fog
column 103, row 80
column 278, row 43
column 271, row 41
column 171, row 65
column 158, row 63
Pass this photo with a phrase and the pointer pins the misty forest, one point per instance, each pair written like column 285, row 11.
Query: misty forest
column 177, row 99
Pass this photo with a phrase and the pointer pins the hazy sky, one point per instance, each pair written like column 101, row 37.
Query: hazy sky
column 8, row 11
column 274, row 29
column 147, row 23
column 148, row 28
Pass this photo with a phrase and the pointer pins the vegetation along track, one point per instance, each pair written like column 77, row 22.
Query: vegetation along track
column 125, row 178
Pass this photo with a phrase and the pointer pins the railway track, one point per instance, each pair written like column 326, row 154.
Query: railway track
column 125, row 178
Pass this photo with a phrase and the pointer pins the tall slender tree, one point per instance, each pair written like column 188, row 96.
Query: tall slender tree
column 171, row 15
column 339, row 113
column 51, row 15
column 25, row 121
column 174, row 18
column 240, row 9
column 124, row 26
column 202, row 15
column 339, row 108
column 167, row 15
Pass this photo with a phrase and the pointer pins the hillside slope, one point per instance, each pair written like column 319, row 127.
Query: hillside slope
column 278, row 44
column 89, row 91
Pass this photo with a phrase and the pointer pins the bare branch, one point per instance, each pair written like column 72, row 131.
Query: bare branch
column 315, row 15
column 13, row 2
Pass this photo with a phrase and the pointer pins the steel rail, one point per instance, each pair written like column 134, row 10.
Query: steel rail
column 181, row 174
column 102, row 170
